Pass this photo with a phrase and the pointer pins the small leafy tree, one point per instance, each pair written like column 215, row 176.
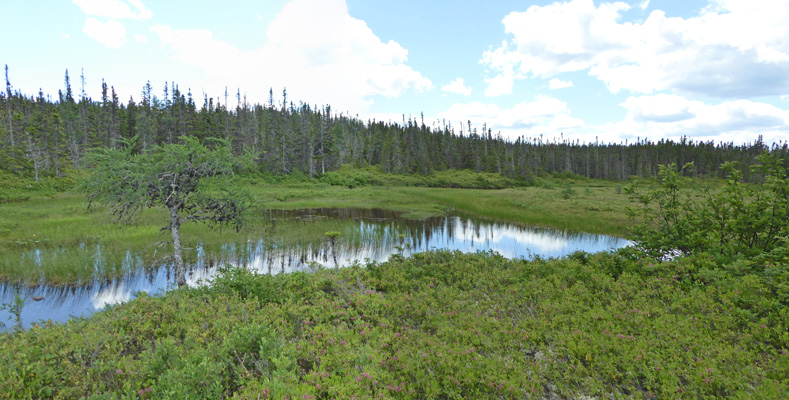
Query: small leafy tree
column 664, row 222
column 171, row 176
column 738, row 219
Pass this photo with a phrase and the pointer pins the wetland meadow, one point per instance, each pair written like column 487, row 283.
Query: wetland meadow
column 380, row 292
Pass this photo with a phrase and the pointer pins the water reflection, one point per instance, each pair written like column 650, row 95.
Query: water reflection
column 371, row 234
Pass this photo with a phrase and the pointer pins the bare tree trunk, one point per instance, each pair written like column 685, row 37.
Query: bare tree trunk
column 10, row 123
column 175, row 227
column 35, row 155
column 312, row 156
column 10, row 98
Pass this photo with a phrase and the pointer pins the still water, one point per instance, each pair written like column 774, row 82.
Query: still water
column 376, row 235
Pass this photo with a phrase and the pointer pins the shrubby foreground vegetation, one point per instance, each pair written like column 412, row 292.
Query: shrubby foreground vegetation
column 436, row 325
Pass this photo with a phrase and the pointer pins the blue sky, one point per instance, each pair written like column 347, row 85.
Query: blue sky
column 580, row 69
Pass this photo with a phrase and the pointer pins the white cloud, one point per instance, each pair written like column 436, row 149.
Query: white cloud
column 651, row 116
column 559, row 84
column 733, row 48
column 314, row 48
column 545, row 116
column 64, row 35
column 644, row 4
column 457, row 86
column 111, row 33
column 500, row 84
column 114, row 9
column 661, row 108
column 140, row 38
column 672, row 116
column 729, row 115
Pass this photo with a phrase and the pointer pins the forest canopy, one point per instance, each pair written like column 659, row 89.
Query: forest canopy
column 44, row 136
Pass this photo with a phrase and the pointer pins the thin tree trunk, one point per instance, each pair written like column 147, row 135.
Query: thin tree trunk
column 10, row 124
column 175, row 227
column 34, row 153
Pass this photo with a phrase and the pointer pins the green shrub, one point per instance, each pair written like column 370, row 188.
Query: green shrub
column 741, row 219
column 568, row 192
column 434, row 325
column 14, row 188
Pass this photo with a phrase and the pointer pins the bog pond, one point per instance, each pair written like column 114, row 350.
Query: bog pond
column 365, row 235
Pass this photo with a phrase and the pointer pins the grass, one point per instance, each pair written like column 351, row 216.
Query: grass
column 58, row 223
column 600, row 210
column 595, row 206
column 318, row 195
column 438, row 325
column 15, row 188
column 374, row 176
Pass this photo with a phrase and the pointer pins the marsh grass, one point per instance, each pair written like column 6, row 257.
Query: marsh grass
column 62, row 243
column 67, row 234
column 598, row 210
column 374, row 176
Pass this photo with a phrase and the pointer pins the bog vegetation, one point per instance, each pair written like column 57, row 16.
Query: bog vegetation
column 68, row 234
column 710, row 323
column 698, row 308
column 436, row 325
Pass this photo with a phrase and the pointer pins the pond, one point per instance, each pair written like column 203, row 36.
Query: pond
column 368, row 235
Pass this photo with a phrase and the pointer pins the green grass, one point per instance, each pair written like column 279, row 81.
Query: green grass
column 374, row 176
column 595, row 206
column 434, row 326
column 15, row 188
column 598, row 210
column 68, row 233
column 68, row 240
column 322, row 195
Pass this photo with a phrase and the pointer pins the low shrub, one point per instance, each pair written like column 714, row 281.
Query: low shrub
column 434, row 325
column 14, row 188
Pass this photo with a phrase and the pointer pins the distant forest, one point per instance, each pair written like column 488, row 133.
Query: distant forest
column 41, row 136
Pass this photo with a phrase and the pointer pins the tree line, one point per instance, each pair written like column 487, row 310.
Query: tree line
column 40, row 136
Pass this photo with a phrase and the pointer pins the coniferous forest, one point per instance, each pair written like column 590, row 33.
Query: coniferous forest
column 42, row 136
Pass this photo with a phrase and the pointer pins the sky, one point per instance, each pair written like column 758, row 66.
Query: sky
column 711, row 70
